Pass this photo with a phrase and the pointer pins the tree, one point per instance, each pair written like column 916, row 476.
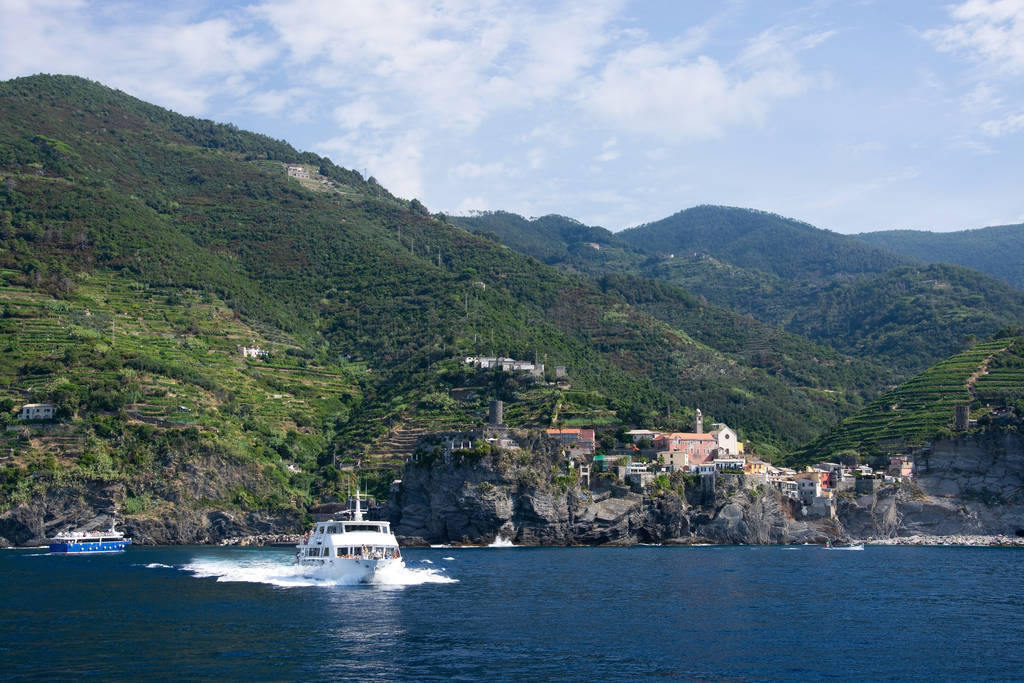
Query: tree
column 848, row 457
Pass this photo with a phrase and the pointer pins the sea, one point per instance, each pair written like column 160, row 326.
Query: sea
column 717, row 613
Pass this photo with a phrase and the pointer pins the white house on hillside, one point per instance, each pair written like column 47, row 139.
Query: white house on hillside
column 36, row 411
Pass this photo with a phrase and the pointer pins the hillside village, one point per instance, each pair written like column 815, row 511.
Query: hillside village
column 645, row 459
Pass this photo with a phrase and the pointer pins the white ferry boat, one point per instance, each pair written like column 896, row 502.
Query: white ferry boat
column 353, row 550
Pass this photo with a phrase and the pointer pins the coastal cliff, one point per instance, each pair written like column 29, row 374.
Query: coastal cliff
column 524, row 498
column 970, row 486
column 973, row 485
column 187, row 502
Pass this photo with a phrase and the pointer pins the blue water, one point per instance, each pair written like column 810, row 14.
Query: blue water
column 735, row 613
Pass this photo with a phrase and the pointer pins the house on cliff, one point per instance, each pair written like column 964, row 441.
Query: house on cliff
column 583, row 440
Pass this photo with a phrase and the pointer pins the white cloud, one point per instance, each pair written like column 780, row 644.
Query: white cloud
column 293, row 103
column 988, row 31
column 470, row 170
column 453, row 62
column 469, row 205
column 856, row 192
column 395, row 161
column 984, row 97
column 660, row 89
column 170, row 59
column 1011, row 123
column 971, row 145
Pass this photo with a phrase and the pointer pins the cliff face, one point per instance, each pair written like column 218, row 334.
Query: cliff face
column 521, row 498
column 972, row 485
column 186, row 513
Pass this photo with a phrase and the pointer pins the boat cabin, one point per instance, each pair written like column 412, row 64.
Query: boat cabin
column 356, row 540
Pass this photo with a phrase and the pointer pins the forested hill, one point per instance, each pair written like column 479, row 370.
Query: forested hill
column 140, row 250
column 997, row 251
column 862, row 301
column 762, row 241
column 556, row 240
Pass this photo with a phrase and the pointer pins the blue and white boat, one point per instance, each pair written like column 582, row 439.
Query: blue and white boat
column 110, row 541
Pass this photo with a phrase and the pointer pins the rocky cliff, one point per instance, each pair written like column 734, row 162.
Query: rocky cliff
column 973, row 485
column 191, row 506
column 524, row 498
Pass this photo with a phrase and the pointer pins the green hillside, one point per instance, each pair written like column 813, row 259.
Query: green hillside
column 761, row 241
column 986, row 377
column 868, row 304
column 556, row 240
column 997, row 251
column 182, row 238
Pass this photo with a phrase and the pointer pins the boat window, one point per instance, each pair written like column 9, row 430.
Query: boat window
column 333, row 529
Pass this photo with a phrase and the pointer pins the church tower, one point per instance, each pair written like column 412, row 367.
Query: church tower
column 698, row 422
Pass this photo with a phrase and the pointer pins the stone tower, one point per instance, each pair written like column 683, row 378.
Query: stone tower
column 962, row 417
column 496, row 417
column 698, row 422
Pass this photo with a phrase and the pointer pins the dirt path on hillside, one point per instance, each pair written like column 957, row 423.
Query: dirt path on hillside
column 982, row 370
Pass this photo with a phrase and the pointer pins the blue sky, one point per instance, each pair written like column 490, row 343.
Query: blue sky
column 850, row 115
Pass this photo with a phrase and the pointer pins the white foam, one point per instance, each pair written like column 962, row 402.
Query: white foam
column 158, row 565
column 500, row 542
column 276, row 573
column 427, row 561
column 400, row 575
column 448, row 558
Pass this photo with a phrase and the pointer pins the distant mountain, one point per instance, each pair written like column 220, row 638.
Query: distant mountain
column 863, row 301
column 762, row 241
column 997, row 251
column 556, row 240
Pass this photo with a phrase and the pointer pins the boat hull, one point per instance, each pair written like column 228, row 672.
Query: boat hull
column 347, row 570
column 89, row 547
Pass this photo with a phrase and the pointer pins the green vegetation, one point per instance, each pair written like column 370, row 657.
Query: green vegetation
column 987, row 376
column 868, row 304
column 139, row 249
column 997, row 251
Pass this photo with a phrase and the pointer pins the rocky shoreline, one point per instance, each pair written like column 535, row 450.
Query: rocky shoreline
column 957, row 539
column 262, row 539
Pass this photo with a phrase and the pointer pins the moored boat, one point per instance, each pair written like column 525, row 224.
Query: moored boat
column 352, row 550
column 108, row 541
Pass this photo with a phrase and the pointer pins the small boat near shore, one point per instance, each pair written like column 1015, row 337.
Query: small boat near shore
column 352, row 550
column 109, row 541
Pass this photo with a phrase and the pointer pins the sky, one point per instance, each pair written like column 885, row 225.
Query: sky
column 851, row 115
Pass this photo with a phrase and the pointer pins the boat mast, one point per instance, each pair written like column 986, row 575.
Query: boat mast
column 358, row 516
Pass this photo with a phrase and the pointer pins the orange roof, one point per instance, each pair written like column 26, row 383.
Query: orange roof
column 564, row 431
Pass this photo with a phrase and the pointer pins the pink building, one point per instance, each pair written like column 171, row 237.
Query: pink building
column 699, row 448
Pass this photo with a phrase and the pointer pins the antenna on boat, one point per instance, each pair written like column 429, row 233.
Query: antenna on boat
column 358, row 516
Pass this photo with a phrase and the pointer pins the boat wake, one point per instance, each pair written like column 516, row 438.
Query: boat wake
column 275, row 573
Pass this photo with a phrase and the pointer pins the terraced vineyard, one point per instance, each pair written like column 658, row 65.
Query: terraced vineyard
column 168, row 358
column 985, row 377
